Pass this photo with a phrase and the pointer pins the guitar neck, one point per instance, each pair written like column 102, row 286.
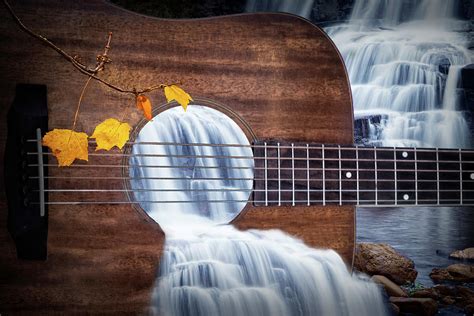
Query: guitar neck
column 314, row 174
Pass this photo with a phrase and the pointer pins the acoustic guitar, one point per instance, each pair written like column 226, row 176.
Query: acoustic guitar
column 281, row 80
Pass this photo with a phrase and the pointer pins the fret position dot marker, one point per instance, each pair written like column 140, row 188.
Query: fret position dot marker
column 349, row 175
column 472, row 176
column 404, row 154
column 406, row 197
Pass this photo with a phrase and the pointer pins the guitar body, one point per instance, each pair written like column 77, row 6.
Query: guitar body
column 277, row 72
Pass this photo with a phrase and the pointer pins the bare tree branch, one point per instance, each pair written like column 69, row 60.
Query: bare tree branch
column 102, row 59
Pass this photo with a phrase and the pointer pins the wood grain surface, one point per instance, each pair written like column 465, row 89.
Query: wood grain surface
column 280, row 73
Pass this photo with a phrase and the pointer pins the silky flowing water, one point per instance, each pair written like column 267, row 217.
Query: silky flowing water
column 404, row 60
column 209, row 267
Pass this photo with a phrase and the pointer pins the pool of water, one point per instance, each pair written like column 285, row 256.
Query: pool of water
column 425, row 235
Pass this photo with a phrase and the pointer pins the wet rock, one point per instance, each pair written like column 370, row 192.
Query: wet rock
column 438, row 274
column 460, row 296
column 448, row 300
column 382, row 259
column 467, row 81
column 465, row 293
column 445, row 290
column 455, row 272
column 469, row 309
column 444, row 67
column 466, row 254
column 427, row 293
column 463, row 272
column 467, row 74
column 395, row 309
column 390, row 287
column 367, row 128
column 418, row 306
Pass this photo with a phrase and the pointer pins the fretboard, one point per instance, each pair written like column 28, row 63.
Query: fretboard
column 315, row 174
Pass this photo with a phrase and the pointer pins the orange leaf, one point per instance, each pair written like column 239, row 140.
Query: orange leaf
column 144, row 104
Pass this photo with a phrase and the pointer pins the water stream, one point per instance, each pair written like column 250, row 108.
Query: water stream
column 404, row 60
column 210, row 268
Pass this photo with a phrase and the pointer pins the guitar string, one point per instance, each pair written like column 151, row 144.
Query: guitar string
column 256, row 168
column 262, row 158
column 430, row 202
column 245, row 190
column 303, row 147
column 235, row 179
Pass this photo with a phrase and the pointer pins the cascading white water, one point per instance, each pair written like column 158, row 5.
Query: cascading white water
column 213, row 269
column 395, row 53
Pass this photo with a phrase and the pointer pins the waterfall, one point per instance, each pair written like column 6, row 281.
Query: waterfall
column 404, row 60
column 211, row 268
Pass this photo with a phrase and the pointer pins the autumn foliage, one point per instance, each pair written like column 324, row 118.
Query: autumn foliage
column 68, row 145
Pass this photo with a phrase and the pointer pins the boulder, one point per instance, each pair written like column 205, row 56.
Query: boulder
column 448, row 300
column 462, row 272
column 465, row 299
column 395, row 309
column 418, row 306
column 465, row 293
column 427, row 293
column 461, row 296
column 439, row 274
column 390, row 287
column 445, row 290
column 466, row 254
column 382, row 259
column 455, row 272
column 469, row 309
column 467, row 74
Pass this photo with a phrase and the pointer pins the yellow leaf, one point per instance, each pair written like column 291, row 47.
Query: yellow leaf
column 67, row 145
column 174, row 92
column 144, row 104
column 110, row 133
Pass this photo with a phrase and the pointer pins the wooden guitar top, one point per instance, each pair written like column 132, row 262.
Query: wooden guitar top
column 278, row 72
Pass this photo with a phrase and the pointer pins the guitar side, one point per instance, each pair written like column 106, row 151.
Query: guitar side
column 279, row 73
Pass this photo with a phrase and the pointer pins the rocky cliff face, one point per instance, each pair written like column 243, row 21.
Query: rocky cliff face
column 466, row 9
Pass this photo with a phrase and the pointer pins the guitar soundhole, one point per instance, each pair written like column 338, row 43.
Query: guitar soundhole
column 194, row 163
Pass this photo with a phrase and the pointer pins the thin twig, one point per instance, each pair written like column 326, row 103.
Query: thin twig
column 103, row 59
column 79, row 103
column 90, row 72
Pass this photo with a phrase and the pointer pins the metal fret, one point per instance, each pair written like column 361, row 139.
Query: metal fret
column 307, row 172
column 357, row 171
column 460, row 176
column 376, row 177
column 437, row 176
column 416, row 177
column 340, row 175
column 395, row 174
column 293, row 172
column 324, row 175
column 279, row 175
column 266, row 175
